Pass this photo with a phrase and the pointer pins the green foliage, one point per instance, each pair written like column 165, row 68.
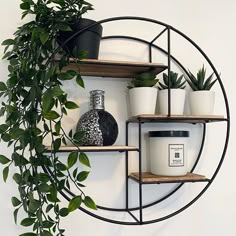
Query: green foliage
column 175, row 81
column 34, row 107
column 146, row 79
column 200, row 82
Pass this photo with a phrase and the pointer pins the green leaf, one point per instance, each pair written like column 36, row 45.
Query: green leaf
column 47, row 103
column 8, row 42
column 6, row 137
column 44, row 36
column 5, row 173
column 46, row 233
column 44, row 188
column 49, row 207
column 17, row 177
column 16, row 133
column 3, row 128
column 25, row 6
column 84, row 159
column 58, row 127
column 47, row 224
column 4, row 160
column 51, row 115
column 64, row 212
column 80, row 81
column 27, row 222
column 3, row 86
column 57, row 91
column 15, row 215
column 70, row 74
column 28, row 234
column 15, row 201
column 74, row 203
column 72, row 159
column 82, row 176
column 34, row 205
column 88, row 201
column 57, row 144
column 43, row 177
column 71, row 105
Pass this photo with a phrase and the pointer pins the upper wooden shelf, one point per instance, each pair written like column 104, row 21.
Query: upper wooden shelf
column 116, row 69
column 177, row 118
column 95, row 148
column 148, row 178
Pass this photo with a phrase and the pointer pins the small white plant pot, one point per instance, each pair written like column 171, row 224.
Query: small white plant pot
column 202, row 102
column 142, row 100
column 177, row 101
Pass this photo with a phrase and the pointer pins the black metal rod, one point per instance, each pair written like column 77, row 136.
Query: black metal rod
column 169, row 65
column 162, row 32
column 127, row 167
column 150, row 44
column 134, row 217
column 140, row 172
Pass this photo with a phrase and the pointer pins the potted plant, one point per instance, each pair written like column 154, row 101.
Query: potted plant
column 177, row 91
column 143, row 94
column 34, row 107
column 201, row 99
column 69, row 14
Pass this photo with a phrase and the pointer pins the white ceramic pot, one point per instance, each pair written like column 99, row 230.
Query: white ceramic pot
column 202, row 102
column 142, row 100
column 177, row 101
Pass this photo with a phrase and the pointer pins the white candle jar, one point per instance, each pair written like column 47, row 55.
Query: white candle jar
column 168, row 152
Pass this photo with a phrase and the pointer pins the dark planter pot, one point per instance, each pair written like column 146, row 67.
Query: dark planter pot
column 88, row 40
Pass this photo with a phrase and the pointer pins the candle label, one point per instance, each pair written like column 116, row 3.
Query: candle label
column 176, row 155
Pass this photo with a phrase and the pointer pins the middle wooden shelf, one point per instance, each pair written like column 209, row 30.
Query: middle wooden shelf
column 113, row 148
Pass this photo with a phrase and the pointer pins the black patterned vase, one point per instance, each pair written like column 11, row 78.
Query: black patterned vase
column 99, row 126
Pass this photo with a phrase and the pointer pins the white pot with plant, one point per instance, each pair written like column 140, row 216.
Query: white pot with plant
column 143, row 94
column 201, row 99
column 177, row 94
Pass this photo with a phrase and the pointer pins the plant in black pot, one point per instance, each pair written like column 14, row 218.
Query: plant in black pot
column 88, row 40
column 33, row 107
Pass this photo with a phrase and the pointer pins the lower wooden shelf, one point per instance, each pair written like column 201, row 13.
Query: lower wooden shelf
column 112, row 148
column 149, row 178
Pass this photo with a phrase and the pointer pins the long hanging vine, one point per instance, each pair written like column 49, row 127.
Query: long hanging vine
column 34, row 105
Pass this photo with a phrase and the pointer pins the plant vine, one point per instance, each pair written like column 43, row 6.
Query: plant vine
column 34, row 105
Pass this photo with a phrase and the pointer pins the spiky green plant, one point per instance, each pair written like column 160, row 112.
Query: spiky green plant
column 175, row 81
column 200, row 82
column 146, row 79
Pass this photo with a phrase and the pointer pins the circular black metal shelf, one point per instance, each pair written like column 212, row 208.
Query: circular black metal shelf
column 67, row 194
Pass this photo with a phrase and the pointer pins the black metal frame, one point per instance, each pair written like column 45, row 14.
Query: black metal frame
column 151, row 44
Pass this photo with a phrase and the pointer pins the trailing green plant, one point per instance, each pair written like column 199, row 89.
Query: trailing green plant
column 34, row 105
column 175, row 81
column 146, row 79
column 200, row 82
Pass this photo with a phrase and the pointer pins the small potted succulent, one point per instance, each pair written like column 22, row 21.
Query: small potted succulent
column 177, row 91
column 201, row 99
column 143, row 94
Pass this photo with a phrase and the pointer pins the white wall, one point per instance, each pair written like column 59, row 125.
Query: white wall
column 211, row 25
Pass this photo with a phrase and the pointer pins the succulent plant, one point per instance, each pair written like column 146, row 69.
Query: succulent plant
column 146, row 79
column 175, row 81
column 200, row 82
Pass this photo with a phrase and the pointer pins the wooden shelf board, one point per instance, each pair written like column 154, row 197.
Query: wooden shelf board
column 95, row 148
column 117, row 69
column 178, row 118
column 148, row 178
